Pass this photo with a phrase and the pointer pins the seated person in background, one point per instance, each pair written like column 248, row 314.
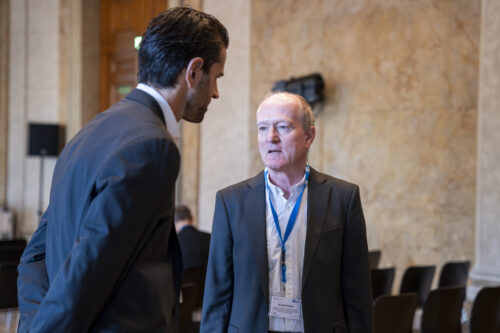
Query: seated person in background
column 194, row 243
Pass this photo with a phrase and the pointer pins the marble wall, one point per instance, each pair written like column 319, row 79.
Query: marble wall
column 399, row 119
column 400, row 114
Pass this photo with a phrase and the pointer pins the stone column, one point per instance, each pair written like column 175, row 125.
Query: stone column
column 224, row 139
column 487, row 266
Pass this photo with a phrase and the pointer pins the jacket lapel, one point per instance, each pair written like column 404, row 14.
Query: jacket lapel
column 148, row 101
column 256, row 222
column 317, row 203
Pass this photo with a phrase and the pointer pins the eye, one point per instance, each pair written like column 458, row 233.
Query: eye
column 262, row 128
column 283, row 128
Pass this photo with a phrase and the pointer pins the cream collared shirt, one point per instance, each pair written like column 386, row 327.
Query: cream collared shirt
column 172, row 124
column 295, row 247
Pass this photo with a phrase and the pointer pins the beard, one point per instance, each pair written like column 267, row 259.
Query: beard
column 195, row 112
column 197, row 103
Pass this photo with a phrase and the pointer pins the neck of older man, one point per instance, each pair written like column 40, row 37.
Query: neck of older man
column 285, row 179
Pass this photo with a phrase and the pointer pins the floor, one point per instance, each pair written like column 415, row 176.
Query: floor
column 8, row 322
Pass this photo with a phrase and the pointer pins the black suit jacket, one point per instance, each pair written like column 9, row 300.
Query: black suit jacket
column 195, row 245
column 336, row 294
column 105, row 256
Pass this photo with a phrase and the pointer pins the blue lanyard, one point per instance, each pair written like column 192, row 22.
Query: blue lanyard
column 291, row 220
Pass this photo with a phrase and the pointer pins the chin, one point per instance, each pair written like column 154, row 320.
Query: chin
column 274, row 166
column 196, row 118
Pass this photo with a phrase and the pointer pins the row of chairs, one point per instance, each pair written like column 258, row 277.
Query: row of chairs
column 441, row 312
column 418, row 279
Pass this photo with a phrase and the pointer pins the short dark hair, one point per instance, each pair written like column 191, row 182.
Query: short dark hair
column 172, row 39
column 182, row 212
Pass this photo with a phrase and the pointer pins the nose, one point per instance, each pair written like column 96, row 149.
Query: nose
column 215, row 94
column 272, row 135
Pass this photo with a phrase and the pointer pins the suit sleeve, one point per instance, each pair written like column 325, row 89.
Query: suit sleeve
column 220, row 278
column 129, row 193
column 32, row 281
column 356, row 284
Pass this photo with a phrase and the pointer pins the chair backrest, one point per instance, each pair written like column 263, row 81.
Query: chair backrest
column 11, row 250
column 374, row 258
column 442, row 310
column 454, row 274
column 485, row 314
column 382, row 280
column 418, row 279
column 394, row 313
column 18, row 242
column 196, row 276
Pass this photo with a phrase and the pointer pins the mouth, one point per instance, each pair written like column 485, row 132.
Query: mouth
column 273, row 151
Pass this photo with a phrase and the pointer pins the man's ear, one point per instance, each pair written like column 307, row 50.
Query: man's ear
column 310, row 135
column 194, row 72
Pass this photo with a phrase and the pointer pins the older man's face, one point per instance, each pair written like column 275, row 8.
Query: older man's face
column 283, row 143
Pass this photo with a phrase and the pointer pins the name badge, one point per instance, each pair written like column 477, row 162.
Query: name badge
column 287, row 308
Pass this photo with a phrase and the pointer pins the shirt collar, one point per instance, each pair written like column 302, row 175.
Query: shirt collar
column 277, row 191
column 172, row 124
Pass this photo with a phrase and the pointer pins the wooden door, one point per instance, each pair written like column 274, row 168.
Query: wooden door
column 121, row 22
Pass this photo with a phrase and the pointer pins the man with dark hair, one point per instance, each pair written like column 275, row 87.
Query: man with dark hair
column 105, row 257
column 194, row 243
column 288, row 251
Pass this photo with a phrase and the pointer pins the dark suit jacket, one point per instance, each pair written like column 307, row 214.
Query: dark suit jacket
column 105, row 256
column 336, row 279
column 195, row 245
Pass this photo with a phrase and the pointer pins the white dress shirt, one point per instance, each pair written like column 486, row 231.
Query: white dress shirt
column 295, row 246
column 172, row 124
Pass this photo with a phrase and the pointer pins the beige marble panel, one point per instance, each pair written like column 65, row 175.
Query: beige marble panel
column 188, row 189
column 400, row 113
column 487, row 268
column 17, row 107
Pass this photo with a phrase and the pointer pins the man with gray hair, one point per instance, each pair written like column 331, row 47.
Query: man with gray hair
column 288, row 251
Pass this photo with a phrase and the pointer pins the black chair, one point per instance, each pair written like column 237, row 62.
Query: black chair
column 394, row 313
column 374, row 258
column 418, row 279
column 382, row 280
column 454, row 274
column 442, row 310
column 485, row 314
column 10, row 254
column 186, row 308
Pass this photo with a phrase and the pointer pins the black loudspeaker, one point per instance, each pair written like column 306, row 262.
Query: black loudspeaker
column 310, row 87
column 44, row 139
